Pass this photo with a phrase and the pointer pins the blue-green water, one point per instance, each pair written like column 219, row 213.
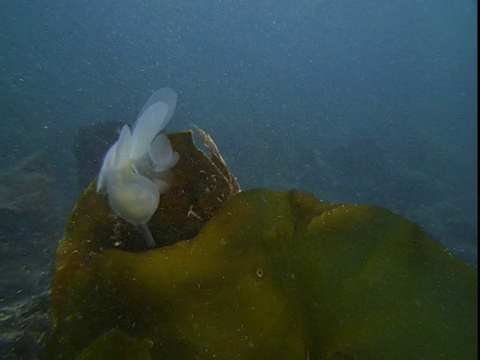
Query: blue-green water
column 354, row 101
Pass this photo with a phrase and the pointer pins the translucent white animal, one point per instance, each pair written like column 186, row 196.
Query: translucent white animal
column 135, row 169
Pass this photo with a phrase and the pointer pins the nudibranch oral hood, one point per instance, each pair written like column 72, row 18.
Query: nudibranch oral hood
column 135, row 170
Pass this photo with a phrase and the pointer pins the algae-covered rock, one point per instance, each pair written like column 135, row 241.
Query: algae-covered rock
column 116, row 345
column 270, row 275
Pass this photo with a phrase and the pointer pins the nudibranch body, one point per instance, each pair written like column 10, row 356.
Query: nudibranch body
column 135, row 169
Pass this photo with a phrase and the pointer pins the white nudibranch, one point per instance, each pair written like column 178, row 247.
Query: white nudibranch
column 136, row 167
